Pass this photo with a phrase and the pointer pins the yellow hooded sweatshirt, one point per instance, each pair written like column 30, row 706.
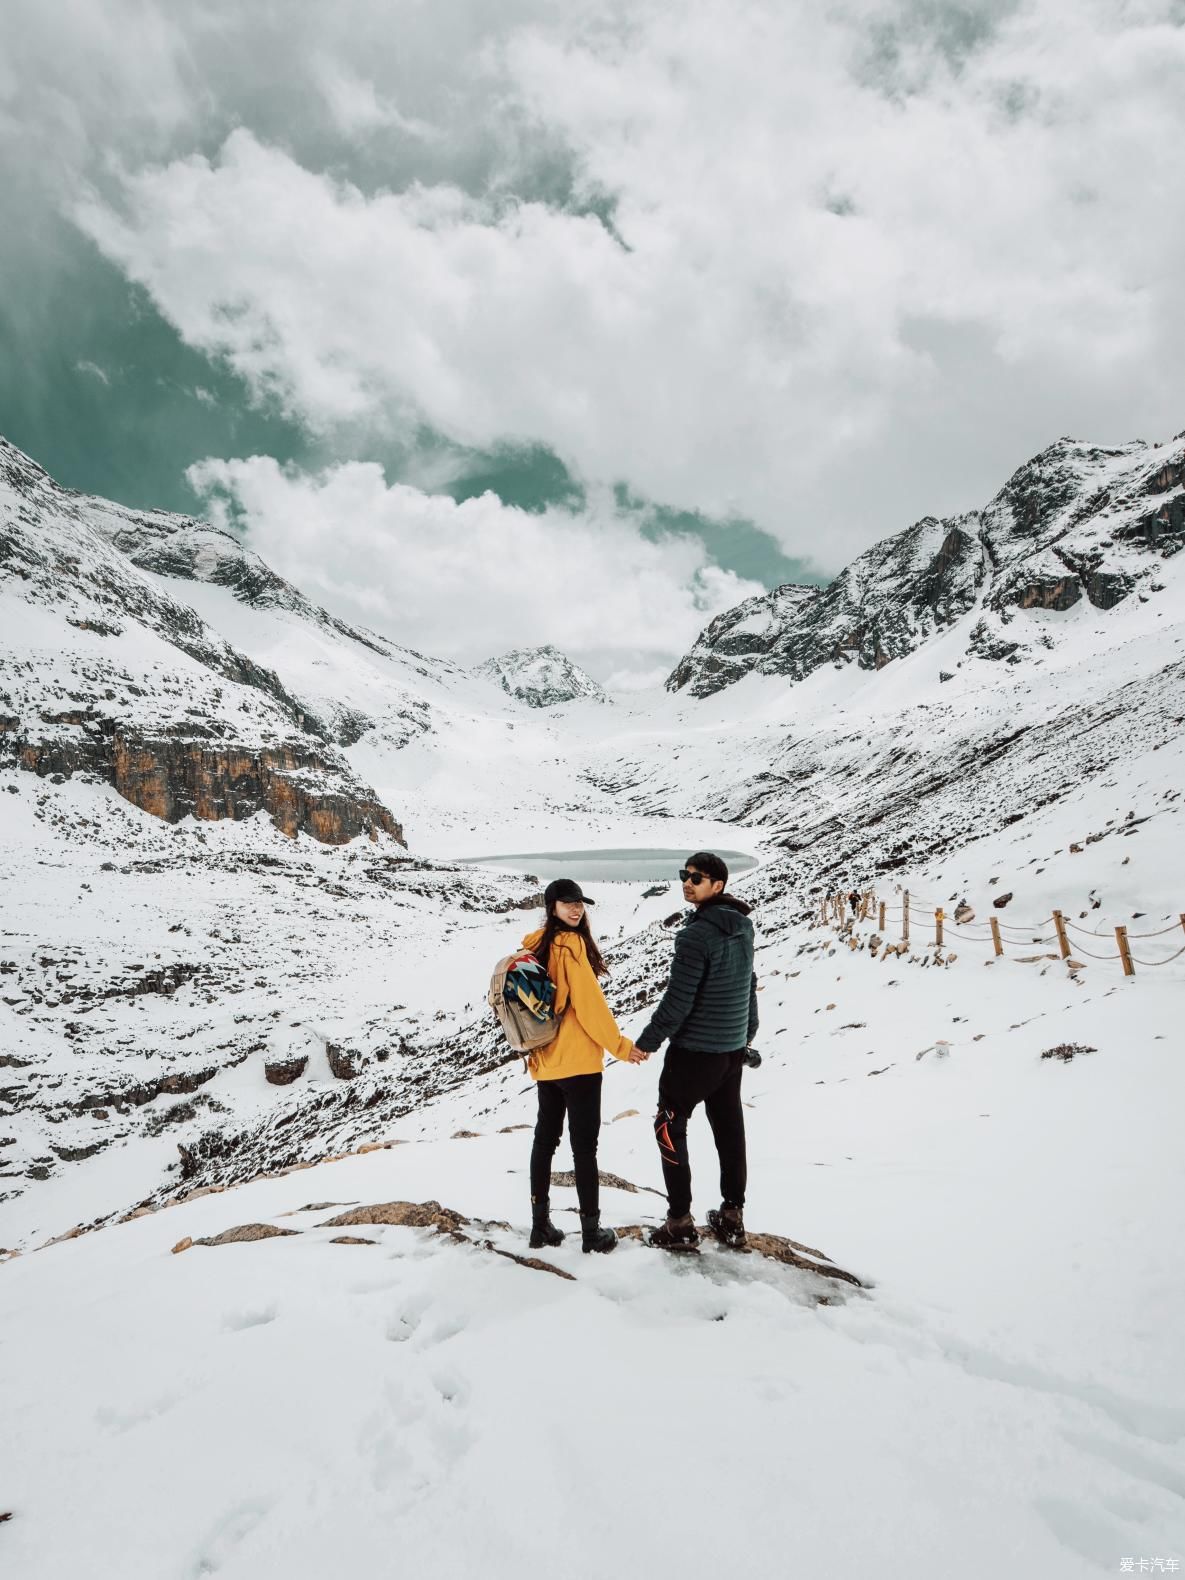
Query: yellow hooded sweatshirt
column 587, row 1026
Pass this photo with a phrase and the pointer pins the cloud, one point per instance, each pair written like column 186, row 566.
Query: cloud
column 474, row 579
column 810, row 260
column 93, row 370
column 358, row 110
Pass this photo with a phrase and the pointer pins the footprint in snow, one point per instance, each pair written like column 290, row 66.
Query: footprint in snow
column 238, row 1321
column 118, row 1421
column 226, row 1534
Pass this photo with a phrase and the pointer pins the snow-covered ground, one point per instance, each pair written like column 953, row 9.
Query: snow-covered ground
column 1004, row 1395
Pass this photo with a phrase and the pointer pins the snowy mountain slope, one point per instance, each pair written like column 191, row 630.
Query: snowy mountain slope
column 158, row 980
column 103, row 672
column 1078, row 522
column 737, row 640
column 857, row 773
column 851, row 776
column 1005, row 1395
column 542, row 677
column 1007, row 1388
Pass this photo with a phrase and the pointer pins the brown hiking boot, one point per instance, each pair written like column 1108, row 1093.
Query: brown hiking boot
column 677, row 1234
column 728, row 1225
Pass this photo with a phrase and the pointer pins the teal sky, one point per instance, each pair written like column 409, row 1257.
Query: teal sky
column 745, row 296
column 101, row 390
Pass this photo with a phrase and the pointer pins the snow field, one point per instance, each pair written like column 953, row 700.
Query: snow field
column 1004, row 1398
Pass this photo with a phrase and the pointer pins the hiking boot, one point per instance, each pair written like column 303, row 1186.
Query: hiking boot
column 728, row 1225
column 677, row 1234
column 593, row 1237
column 543, row 1231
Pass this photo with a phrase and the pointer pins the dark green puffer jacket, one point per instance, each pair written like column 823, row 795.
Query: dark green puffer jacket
column 710, row 1005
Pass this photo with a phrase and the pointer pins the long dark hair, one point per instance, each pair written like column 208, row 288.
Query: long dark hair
column 554, row 926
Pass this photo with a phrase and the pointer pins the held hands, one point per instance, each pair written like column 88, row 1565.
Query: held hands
column 637, row 1055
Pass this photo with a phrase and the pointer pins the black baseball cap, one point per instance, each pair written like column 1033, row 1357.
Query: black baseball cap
column 564, row 889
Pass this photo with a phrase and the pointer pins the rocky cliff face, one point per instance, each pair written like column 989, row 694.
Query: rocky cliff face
column 542, row 677
column 105, row 673
column 739, row 639
column 1076, row 522
column 182, row 777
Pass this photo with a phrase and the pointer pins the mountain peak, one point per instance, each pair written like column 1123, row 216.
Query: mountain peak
column 542, row 677
column 1078, row 523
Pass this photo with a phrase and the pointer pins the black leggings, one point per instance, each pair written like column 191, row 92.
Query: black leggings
column 580, row 1097
column 688, row 1079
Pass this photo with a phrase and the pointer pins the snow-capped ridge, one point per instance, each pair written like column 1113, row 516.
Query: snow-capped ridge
column 109, row 674
column 1078, row 522
column 542, row 677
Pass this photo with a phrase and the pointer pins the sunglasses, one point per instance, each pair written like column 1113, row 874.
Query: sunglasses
column 689, row 875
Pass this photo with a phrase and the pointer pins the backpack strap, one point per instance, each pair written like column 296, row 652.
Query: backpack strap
column 561, row 988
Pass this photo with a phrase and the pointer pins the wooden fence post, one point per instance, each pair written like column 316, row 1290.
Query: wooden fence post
column 939, row 914
column 996, row 944
column 905, row 917
column 882, row 920
column 1063, row 942
column 1125, row 953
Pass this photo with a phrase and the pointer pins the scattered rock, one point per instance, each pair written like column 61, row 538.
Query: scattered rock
column 282, row 1072
column 507, row 1130
column 613, row 1181
column 315, row 1206
column 1066, row 1051
column 342, row 1061
column 183, row 1245
column 243, row 1232
column 351, row 1239
column 1002, row 900
column 626, row 1113
column 789, row 1252
column 466, row 1135
column 536, row 1262
column 405, row 1214
column 654, row 892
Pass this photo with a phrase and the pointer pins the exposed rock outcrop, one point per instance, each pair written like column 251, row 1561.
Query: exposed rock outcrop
column 301, row 789
column 116, row 677
column 542, row 677
column 1072, row 524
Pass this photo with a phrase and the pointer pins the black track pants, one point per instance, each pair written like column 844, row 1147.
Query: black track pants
column 713, row 1079
column 579, row 1096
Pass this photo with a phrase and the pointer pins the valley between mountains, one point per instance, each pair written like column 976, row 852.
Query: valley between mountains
column 243, row 962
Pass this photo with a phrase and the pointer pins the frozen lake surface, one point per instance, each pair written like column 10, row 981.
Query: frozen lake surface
column 606, row 866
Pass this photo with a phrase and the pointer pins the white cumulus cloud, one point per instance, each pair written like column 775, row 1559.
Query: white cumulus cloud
column 474, row 579
column 824, row 266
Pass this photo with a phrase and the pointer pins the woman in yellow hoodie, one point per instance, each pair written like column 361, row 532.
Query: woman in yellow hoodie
column 568, row 1069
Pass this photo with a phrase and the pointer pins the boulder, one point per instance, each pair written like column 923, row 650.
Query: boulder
column 282, row 1072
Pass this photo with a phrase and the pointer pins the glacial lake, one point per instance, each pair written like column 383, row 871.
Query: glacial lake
column 605, row 866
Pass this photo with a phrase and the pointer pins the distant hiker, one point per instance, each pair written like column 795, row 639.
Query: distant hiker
column 568, row 1069
column 854, row 901
column 709, row 1012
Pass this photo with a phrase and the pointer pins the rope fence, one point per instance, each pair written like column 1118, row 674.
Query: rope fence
column 843, row 910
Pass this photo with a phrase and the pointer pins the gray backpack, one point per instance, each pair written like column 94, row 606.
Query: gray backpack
column 522, row 996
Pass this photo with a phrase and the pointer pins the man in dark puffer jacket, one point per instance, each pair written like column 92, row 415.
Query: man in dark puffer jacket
column 709, row 1012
